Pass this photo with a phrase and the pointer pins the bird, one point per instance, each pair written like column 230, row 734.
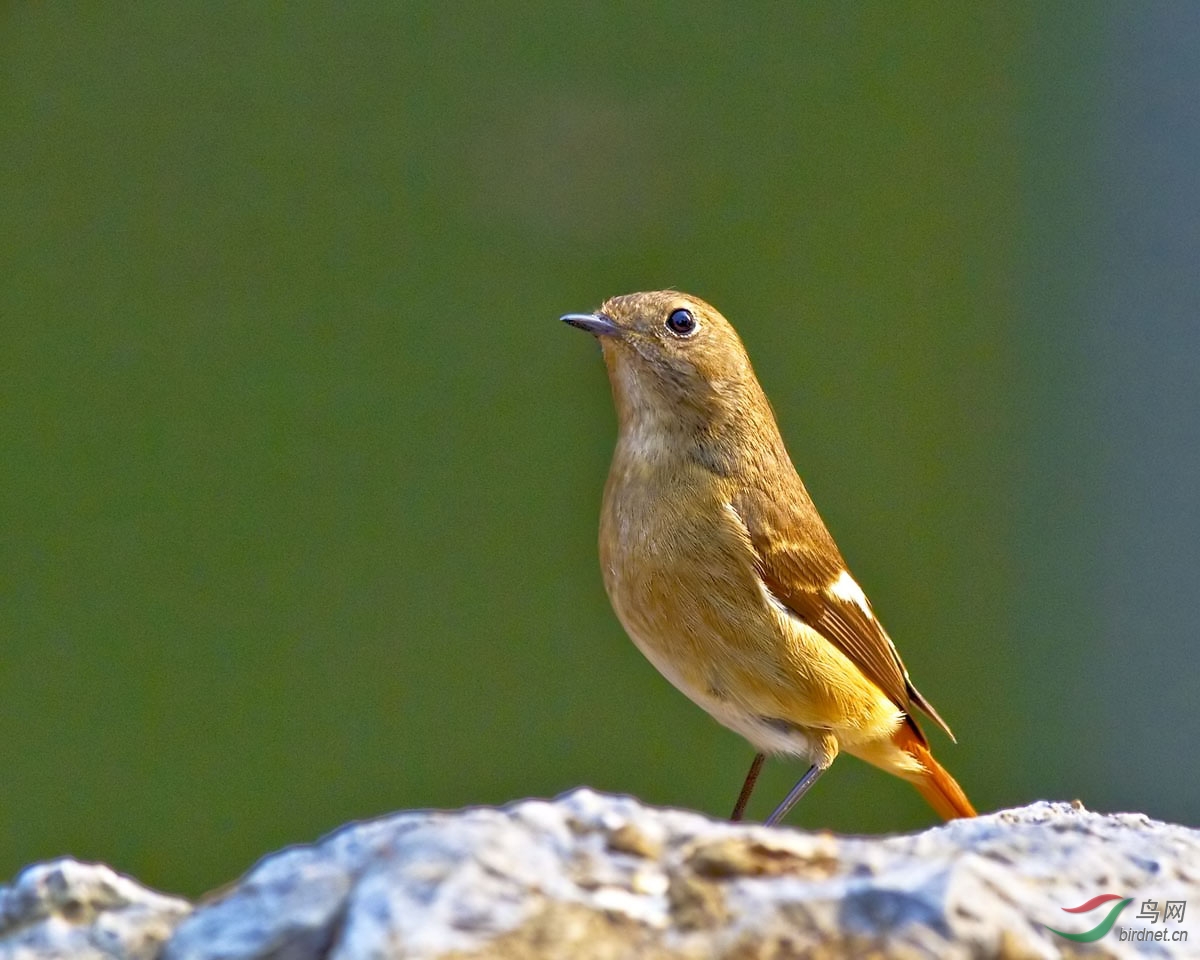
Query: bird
column 723, row 574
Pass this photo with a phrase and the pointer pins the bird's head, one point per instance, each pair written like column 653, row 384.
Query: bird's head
column 672, row 357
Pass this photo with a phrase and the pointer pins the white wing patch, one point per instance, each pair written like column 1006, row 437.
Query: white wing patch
column 845, row 589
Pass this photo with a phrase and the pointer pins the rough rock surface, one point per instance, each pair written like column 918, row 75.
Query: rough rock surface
column 592, row 876
column 71, row 909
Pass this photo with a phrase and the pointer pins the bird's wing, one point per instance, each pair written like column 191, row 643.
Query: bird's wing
column 801, row 566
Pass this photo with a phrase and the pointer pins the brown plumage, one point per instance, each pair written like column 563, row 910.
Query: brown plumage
column 722, row 572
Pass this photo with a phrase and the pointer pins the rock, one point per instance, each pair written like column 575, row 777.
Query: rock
column 592, row 876
column 80, row 910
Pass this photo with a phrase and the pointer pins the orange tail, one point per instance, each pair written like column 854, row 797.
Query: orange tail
column 936, row 785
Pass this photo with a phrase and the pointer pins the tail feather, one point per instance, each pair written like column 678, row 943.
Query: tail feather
column 934, row 783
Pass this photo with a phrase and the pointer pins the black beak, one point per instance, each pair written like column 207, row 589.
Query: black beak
column 597, row 324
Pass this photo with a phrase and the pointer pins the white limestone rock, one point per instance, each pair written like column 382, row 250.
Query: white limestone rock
column 65, row 908
column 591, row 876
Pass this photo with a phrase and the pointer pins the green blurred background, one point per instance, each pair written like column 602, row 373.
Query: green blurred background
column 300, row 473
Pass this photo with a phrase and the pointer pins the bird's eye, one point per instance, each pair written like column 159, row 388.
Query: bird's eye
column 681, row 322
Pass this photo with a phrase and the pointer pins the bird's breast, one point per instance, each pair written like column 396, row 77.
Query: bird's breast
column 680, row 571
column 672, row 553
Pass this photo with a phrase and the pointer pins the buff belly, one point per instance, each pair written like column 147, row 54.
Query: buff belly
column 769, row 677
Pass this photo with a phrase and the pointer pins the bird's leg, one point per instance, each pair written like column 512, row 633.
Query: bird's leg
column 756, row 765
column 800, row 789
column 827, row 751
